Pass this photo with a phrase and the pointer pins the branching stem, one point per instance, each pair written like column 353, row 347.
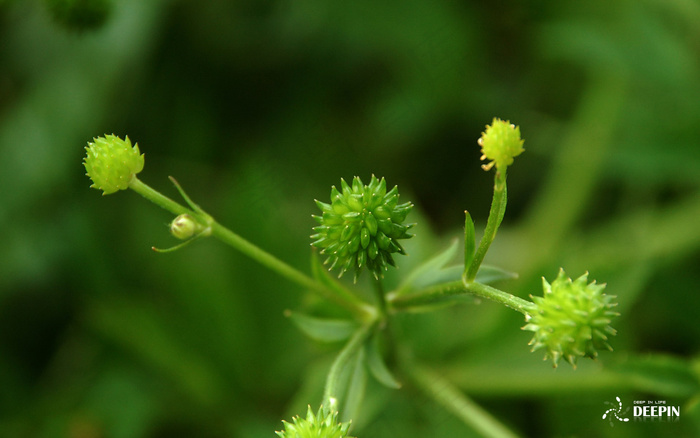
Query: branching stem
column 437, row 293
column 360, row 309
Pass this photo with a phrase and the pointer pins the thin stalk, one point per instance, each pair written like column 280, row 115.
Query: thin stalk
column 338, row 296
column 360, row 309
column 381, row 295
column 158, row 198
column 448, row 396
column 498, row 209
column 509, row 300
column 330, row 393
column 440, row 292
column 430, row 295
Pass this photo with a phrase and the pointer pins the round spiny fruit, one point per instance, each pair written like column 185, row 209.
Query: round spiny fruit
column 111, row 163
column 572, row 319
column 500, row 143
column 322, row 425
column 361, row 227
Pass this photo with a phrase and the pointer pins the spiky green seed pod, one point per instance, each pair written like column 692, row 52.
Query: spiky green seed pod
column 322, row 425
column 111, row 163
column 361, row 227
column 500, row 143
column 572, row 319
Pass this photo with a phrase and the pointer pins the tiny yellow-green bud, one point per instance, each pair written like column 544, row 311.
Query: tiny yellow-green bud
column 184, row 226
column 111, row 163
column 500, row 143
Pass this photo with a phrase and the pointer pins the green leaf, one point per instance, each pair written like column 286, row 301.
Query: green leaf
column 490, row 274
column 377, row 367
column 430, row 272
column 356, row 389
column 660, row 374
column 321, row 329
column 469, row 241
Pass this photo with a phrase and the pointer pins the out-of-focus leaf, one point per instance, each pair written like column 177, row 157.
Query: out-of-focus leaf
column 430, row 272
column 660, row 374
column 146, row 333
column 377, row 367
column 490, row 274
column 356, row 389
column 321, row 329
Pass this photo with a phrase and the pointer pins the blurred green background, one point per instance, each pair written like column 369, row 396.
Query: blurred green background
column 258, row 107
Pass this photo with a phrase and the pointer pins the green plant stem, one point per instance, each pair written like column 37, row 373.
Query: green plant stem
column 509, row 300
column 448, row 396
column 498, row 209
column 440, row 292
column 158, row 198
column 360, row 309
column 330, row 393
column 381, row 295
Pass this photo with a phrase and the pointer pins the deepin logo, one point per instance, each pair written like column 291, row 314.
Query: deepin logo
column 616, row 412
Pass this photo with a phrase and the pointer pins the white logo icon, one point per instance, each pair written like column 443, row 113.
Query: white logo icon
column 615, row 411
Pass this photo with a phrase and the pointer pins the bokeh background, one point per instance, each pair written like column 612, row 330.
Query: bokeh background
column 258, row 107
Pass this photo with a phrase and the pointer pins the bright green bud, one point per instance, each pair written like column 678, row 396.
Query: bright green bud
column 500, row 143
column 572, row 319
column 361, row 227
column 322, row 425
column 111, row 163
column 184, row 226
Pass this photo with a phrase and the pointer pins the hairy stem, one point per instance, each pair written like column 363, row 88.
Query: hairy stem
column 437, row 293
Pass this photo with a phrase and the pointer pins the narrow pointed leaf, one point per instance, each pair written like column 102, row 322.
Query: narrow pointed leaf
column 490, row 274
column 377, row 367
column 321, row 329
column 423, row 274
column 356, row 388
column 469, row 242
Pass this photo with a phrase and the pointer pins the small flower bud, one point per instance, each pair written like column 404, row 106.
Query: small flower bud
column 361, row 227
column 500, row 143
column 184, row 226
column 322, row 425
column 572, row 319
column 111, row 163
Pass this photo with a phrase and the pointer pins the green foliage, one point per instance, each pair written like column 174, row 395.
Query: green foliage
column 256, row 106
column 80, row 15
